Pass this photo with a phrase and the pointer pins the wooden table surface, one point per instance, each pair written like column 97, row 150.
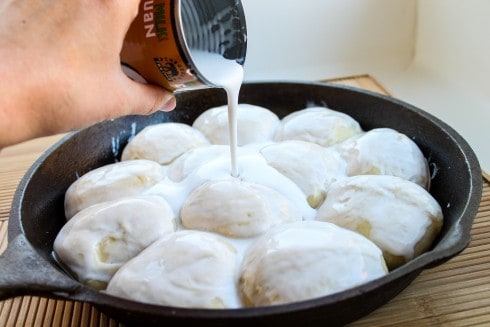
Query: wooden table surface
column 456, row 293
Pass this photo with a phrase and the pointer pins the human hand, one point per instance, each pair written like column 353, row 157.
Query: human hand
column 60, row 67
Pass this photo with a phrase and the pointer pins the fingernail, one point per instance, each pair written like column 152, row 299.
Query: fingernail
column 169, row 105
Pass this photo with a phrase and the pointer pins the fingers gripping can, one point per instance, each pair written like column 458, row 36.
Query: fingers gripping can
column 164, row 40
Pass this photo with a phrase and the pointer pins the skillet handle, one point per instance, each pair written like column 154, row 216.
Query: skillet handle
column 23, row 271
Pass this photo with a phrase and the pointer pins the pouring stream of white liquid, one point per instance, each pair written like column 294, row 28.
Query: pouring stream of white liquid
column 227, row 74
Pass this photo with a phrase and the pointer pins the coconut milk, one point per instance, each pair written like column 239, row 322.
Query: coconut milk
column 227, row 74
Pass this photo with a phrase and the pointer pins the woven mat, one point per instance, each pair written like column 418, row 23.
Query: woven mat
column 456, row 293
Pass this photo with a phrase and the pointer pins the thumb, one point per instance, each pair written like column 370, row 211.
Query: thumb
column 147, row 98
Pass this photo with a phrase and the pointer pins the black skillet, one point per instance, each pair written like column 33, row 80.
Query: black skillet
column 27, row 266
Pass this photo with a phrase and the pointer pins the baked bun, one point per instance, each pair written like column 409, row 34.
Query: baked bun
column 236, row 208
column 319, row 125
column 163, row 142
column 306, row 260
column 110, row 182
column 255, row 124
column 98, row 240
column 189, row 269
column 401, row 217
column 384, row 151
column 309, row 165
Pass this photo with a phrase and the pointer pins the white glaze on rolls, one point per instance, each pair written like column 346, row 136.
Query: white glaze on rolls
column 285, row 217
column 319, row 125
column 189, row 269
column 401, row 217
column 255, row 124
column 98, row 240
column 110, row 182
column 384, row 151
column 305, row 260
column 163, row 142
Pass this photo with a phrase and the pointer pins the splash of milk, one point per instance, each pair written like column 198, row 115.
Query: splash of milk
column 227, row 74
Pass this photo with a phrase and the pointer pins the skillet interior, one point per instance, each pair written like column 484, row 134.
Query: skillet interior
column 37, row 211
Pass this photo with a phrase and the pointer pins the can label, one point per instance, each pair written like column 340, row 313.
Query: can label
column 151, row 50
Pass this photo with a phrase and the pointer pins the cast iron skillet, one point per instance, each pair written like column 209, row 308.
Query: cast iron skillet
column 27, row 266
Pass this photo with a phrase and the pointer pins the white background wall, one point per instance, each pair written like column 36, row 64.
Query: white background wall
column 315, row 39
column 434, row 54
column 450, row 73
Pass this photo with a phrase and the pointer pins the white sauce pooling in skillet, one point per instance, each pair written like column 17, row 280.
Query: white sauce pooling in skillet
column 252, row 167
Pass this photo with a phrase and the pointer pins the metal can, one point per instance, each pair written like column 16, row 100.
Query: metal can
column 166, row 34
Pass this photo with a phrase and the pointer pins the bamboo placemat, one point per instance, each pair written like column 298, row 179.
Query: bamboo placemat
column 456, row 293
